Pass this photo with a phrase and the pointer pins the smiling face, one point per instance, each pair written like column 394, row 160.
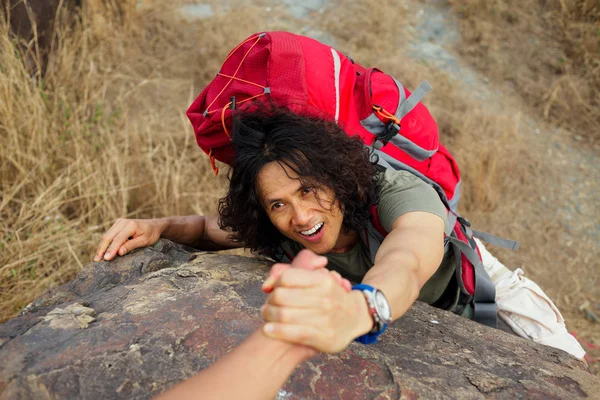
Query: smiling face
column 307, row 215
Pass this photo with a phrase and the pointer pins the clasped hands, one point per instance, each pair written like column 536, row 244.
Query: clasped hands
column 311, row 306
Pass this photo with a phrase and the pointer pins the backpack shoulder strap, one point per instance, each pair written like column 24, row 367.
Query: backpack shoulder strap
column 282, row 254
column 373, row 234
column 496, row 240
column 484, row 297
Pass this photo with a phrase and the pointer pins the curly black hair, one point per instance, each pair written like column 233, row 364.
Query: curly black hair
column 317, row 150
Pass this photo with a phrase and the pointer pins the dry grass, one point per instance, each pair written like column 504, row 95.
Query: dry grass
column 90, row 142
column 104, row 136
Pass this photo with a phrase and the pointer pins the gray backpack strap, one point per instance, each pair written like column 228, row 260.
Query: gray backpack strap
column 452, row 218
column 406, row 106
column 389, row 132
column 484, row 298
column 496, row 240
column 489, row 238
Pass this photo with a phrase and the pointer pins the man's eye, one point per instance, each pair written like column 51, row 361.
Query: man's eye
column 276, row 205
column 307, row 190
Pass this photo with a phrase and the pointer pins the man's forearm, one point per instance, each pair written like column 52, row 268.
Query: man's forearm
column 407, row 259
column 395, row 275
column 196, row 231
column 260, row 366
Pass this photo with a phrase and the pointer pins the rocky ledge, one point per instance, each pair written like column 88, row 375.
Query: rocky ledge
column 133, row 327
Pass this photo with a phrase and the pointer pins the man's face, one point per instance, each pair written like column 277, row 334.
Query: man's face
column 307, row 215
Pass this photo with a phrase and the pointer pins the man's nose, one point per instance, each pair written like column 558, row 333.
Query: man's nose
column 301, row 216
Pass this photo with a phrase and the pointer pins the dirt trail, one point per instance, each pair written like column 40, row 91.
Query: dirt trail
column 575, row 200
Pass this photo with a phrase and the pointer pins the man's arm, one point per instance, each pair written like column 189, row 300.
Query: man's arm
column 197, row 231
column 309, row 309
column 409, row 255
column 202, row 232
column 407, row 258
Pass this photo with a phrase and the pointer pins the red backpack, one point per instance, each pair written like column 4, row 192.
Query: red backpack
column 313, row 79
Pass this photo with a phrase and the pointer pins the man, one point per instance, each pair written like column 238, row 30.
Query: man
column 303, row 183
column 283, row 187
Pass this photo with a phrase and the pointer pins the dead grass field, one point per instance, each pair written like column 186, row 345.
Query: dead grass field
column 103, row 135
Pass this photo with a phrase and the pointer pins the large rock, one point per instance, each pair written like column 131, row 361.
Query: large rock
column 133, row 327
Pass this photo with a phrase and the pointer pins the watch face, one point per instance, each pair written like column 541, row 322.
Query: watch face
column 382, row 306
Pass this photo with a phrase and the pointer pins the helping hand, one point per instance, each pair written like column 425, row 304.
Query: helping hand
column 305, row 260
column 126, row 235
column 312, row 306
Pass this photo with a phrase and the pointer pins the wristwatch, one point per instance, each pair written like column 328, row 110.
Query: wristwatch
column 380, row 311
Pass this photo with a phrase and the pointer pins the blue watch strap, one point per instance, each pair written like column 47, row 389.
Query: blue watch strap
column 370, row 337
column 362, row 286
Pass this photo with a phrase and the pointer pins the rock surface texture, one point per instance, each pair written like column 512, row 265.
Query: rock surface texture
column 133, row 327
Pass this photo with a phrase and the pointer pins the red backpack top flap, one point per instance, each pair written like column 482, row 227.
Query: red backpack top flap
column 292, row 71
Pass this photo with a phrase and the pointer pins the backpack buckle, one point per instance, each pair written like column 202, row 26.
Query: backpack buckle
column 464, row 221
column 391, row 130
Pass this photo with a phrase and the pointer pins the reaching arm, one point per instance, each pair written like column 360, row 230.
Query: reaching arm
column 407, row 258
column 309, row 309
column 202, row 232
column 194, row 230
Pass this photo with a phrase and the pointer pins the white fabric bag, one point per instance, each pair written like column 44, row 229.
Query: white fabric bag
column 524, row 306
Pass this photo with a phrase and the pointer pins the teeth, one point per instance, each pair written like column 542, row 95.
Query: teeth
column 313, row 230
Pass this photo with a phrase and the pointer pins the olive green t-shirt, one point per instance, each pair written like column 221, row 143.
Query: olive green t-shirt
column 401, row 192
